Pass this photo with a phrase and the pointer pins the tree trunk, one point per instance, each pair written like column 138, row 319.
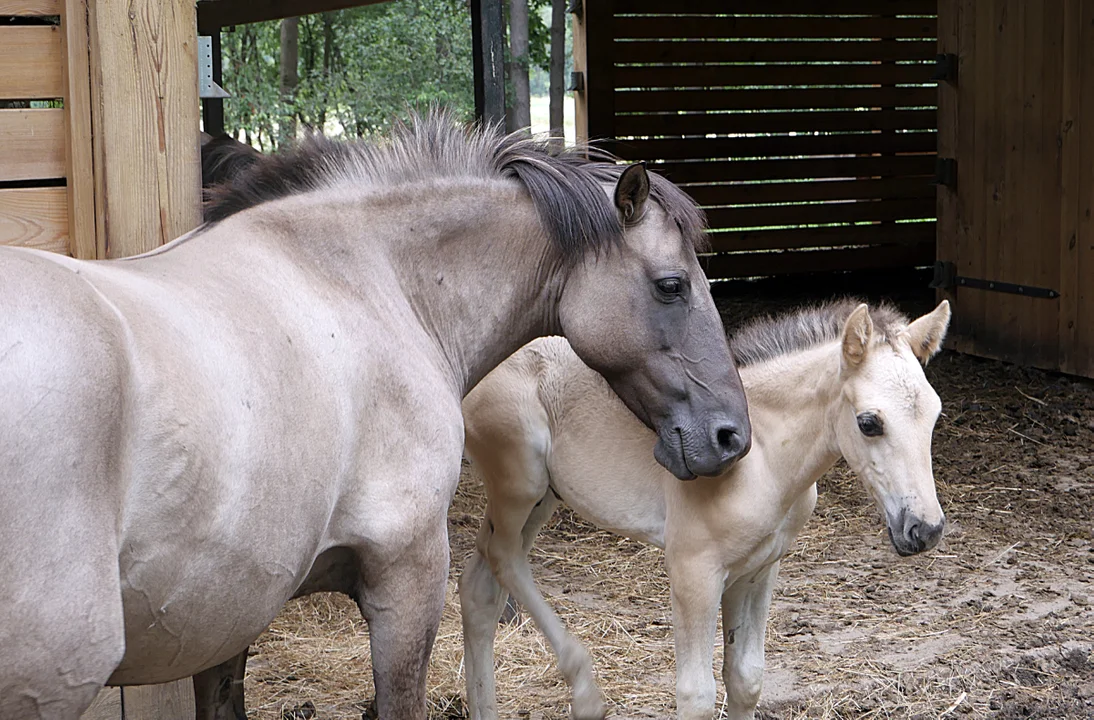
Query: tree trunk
column 558, row 70
column 519, row 112
column 290, row 75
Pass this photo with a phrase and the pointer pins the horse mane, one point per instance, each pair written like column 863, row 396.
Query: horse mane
column 566, row 186
column 768, row 337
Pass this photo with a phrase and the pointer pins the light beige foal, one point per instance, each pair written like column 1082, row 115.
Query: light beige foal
column 840, row 380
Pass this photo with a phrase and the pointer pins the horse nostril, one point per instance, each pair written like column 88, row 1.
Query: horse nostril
column 725, row 437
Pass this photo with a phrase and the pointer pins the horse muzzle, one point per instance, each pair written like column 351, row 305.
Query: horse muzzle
column 707, row 450
column 910, row 535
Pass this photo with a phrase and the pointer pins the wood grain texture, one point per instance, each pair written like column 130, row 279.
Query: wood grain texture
column 169, row 701
column 79, row 148
column 30, row 7
column 145, row 114
column 106, row 706
column 30, row 62
column 34, row 217
column 33, row 143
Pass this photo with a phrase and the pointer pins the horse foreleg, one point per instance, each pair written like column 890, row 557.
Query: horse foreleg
column 696, row 587
column 218, row 691
column 745, row 606
column 482, row 602
column 401, row 598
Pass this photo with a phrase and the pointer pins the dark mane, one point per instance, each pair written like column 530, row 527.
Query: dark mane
column 766, row 338
column 565, row 186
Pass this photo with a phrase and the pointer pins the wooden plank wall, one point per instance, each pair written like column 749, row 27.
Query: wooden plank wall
column 33, row 204
column 1015, row 122
column 807, row 130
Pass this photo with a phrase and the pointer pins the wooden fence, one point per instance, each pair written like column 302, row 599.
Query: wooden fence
column 807, row 130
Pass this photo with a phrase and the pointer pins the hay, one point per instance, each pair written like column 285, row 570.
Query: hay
column 995, row 623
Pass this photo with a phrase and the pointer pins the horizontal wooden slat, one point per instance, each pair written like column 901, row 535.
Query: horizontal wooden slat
column 811, row 98
column 30, row 7
column 779, row 7
column 738, row 75
column 789, row 51
column 797, row 238
column 853, row 167
column 35, row 217
column 774, row 122
column 697, row 28
column 32, row 144
column 821, row 213
column 30, row 62
column 783, row 192
column 779, row 146
column 728, row 265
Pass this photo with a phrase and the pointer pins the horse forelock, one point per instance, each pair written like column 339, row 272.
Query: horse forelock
column 565, row 186
column 766, row 338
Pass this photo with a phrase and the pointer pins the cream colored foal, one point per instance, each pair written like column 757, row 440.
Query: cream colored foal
column 839, row 380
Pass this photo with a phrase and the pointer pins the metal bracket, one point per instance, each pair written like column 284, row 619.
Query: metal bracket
column 945, row 172
column 206, row 87
column 575, row 7
column 577, row 82
column 945, row 68
column 946, row 277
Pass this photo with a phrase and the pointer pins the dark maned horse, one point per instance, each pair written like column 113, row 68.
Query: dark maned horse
column 271, row 405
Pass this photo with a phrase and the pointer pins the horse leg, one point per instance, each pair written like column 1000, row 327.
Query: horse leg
column 218, row 691
column 504, row 548
column 696, row 587
column 744, row 622
column 482, row 602
column 401, row 598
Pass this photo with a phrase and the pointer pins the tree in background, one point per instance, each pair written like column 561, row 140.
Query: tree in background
column 358, row 70
column 558, row 68
column 518, row 111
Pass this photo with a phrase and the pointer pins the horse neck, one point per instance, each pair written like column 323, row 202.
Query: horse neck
column 475, row 267
column 791, row 400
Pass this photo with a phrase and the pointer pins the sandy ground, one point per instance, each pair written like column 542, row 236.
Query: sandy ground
column 997, row 622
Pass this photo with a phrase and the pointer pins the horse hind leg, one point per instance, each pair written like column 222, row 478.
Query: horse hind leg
column 218, row 691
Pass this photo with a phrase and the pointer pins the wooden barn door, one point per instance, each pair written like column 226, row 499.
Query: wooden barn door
column 1015, row 232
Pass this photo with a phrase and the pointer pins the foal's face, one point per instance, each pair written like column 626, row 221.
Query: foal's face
column 643, row 318
column 887, row 415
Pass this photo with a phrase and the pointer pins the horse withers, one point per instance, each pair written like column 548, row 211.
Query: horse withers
column 271, row 404
column 841, row 380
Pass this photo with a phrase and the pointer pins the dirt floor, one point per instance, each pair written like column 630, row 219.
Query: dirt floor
column 997, row 622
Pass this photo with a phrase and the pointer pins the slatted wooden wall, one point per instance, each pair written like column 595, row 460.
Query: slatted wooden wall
column 1019, row 122
column 806, row 128
column 33, row 204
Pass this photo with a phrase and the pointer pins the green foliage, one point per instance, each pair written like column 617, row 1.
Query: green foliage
column 359, row 69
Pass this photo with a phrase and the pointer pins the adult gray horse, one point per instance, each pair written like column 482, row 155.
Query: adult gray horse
column 270, row 405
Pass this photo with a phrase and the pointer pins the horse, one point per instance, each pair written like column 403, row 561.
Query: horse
column 837, row 380
column 270, row 405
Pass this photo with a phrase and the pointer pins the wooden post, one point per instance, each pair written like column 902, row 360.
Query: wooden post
column 80, row 170
column 145, row 109
column 594, row 106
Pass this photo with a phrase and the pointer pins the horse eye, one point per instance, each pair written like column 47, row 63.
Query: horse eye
column 670, row 286
column 870, row 425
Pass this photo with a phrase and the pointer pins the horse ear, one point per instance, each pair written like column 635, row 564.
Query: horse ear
column 926, row 334
column 632, row 191
column 858, row 333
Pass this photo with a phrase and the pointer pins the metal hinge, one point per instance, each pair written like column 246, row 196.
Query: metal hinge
column 946, row 277
column 945, row 68
column 206, row 87
column 575, row 7
column 577, row 82
column 945, row 172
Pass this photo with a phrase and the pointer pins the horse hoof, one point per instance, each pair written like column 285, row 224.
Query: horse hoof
column 589, row 708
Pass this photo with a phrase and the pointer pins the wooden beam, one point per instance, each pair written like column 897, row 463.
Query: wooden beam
column 34, row 217
column 145, row 118
column 30, row 7
column 31, row 58
column 169, row 701
column 222, row 13
column 106, row 706
column 33, row 143
column 79, row 168
column 488, row 54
